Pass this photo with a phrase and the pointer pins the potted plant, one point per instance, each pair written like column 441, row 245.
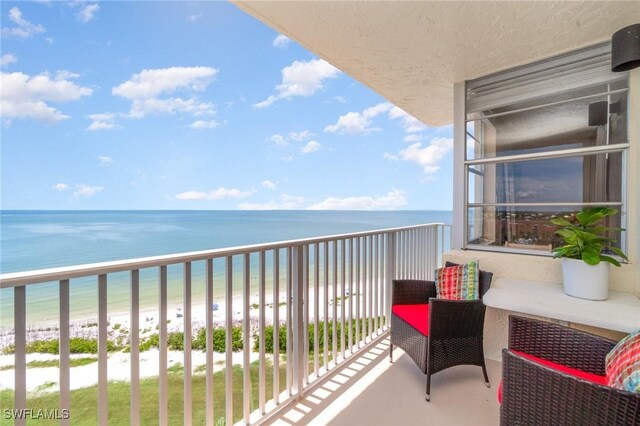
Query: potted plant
column 585, row 266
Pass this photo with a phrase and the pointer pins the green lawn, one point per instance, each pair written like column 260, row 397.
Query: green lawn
column 84, row 401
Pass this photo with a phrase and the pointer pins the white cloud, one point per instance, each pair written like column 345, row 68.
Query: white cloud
column 291, row 200
column 393, row 200
column 376, row 110
column 66, row 75
column 281, row 141
column 281, row 41
column 414, row 137
column 105, row 121
column 7, row 59
column 204, row 124
column 49, row 40
column 301, row 79
column 278, row 140
column 143, row 107
column 300, row 136
column 105, row 161
column 87, row 13
column 267, row 102
column 145, row 88
column 217, row 194
column 286, row 202
column 192, row 195
column 268, row 185
column 408, row 122
column 312, row 146
column 358, row 122
column 428, row 156
column 25, row 96
column 287, row 158
column 340, row 99
column 60, row 187
column 193, row 18
column 151, row 83
column 24, row 29
column 83, row 190
column 361, row 122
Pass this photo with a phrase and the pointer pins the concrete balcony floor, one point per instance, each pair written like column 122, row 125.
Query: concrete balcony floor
column 371, row 391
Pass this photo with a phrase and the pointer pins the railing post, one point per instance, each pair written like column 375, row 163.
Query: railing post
column 390, row 272
column 246, row 331
column 20, row 360
column 228, row 376
column 163, row 348
column 186, row 384
column 298, row 320
column 65, row 398
column 103, row 404
column 208, row 295
column 436, row 251
column 135, row 344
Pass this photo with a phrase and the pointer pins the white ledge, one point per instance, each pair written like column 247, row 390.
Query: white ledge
column 620, row 312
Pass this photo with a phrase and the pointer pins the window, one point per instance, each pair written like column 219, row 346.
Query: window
column 543, row 140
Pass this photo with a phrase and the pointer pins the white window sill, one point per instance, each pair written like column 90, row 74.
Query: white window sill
column 620, row 312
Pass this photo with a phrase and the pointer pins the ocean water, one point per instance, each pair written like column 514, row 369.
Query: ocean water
column 32, row 240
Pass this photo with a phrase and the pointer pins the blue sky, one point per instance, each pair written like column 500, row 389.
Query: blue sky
column 197, row 105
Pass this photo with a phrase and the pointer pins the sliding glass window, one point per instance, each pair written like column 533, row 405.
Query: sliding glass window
column 544, row 140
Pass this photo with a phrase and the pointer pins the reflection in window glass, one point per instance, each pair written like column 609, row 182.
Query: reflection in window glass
column 522, row 227
column 576, row 124
column 571, row 102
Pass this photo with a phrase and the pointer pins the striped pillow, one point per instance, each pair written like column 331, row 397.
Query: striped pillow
column 459, row 282
column 623, row 364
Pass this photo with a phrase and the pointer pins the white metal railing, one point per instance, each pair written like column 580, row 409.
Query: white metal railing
column 316, row 275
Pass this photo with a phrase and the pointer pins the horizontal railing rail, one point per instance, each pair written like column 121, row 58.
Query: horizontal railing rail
column 327, row 297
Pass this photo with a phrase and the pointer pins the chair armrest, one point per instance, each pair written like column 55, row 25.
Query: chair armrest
column 535, row 394
column 560, row 344
column 412, row 292
column 456, row 318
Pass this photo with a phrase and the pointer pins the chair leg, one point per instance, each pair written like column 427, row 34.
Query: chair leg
column 428, row 397
column 484, row 372
column 391, row 353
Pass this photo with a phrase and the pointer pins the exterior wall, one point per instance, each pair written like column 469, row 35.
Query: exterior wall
column 545, row 269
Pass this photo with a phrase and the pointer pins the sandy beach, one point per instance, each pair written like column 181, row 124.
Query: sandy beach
column 118, row 366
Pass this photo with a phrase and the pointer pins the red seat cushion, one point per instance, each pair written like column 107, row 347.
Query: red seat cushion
column 415, row 315
column 594, row 378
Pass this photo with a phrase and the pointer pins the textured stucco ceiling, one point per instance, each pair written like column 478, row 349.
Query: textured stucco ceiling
column 412, row 52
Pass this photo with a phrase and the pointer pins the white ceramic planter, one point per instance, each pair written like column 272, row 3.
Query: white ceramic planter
column 585, row 281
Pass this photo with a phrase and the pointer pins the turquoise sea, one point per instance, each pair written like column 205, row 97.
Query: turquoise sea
column 32, row 240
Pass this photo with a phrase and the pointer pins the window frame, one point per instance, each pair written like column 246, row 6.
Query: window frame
column 467, row 164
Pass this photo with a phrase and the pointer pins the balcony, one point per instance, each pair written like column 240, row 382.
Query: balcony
column 336, row 285
column 369, row 390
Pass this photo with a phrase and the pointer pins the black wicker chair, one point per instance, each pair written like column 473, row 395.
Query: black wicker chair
column 455, row 328
column 533, row 394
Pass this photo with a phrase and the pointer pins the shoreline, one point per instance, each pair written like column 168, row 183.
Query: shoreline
column 45, row 379
column 42, row 299
column 87, row 327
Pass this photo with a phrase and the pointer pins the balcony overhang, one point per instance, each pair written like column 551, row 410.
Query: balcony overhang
column 412, row 52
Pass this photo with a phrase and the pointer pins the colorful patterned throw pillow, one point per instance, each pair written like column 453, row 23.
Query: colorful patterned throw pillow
column 623, row 364
column 458, row 282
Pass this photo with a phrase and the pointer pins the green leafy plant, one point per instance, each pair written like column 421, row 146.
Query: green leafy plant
column 219, row 336
column 585, row 237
